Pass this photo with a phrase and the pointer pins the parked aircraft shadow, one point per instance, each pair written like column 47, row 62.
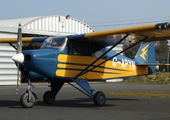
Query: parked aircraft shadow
column 10, row 104
column 82, row 102
column 76, row 103
column 127, row 99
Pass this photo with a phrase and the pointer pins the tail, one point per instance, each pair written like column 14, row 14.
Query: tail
column 146, row 55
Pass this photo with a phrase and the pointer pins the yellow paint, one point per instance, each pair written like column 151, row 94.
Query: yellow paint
column 74, row 59
column 144, row 52
column 69, row 66
column 121, row 31
column 76, row 67
column 148, row 31
column 14, row 40
column 102, row 75
column 68, row 73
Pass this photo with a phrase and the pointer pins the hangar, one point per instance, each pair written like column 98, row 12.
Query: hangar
column 34, row 26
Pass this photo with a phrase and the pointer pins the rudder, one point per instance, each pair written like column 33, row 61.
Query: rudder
column 146, row 55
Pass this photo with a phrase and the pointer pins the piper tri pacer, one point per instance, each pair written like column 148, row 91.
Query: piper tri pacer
column 85, row 57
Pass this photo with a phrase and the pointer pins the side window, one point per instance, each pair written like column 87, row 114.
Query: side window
column 80, row 48
column 97, row 49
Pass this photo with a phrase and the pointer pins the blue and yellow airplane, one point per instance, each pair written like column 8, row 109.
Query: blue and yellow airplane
column 85, row 57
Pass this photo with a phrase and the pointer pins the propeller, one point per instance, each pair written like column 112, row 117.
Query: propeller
column 19, row 50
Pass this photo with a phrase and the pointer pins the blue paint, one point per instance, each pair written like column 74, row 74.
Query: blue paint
column 38, row 39
column 150, row 56
column 74, row 37
column 43, row 62
column 35, row 76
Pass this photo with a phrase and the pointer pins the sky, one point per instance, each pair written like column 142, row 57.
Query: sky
column 99, row 14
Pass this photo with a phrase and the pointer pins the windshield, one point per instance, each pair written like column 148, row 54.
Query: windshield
column 54, row 42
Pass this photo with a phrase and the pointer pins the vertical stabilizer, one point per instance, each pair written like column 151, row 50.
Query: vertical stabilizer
column 146, row 55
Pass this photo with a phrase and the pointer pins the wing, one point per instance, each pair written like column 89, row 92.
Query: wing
column 153, row 32
column 24, row 39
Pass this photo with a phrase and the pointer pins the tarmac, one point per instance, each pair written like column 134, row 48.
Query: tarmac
column 71, row 104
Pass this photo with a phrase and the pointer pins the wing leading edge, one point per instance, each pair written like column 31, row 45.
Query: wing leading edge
column 153, row 32
column 24, row 39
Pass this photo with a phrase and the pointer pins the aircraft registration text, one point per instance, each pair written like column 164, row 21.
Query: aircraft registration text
column 123, row 64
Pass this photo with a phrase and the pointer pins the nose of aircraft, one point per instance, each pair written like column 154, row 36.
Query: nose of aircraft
column 19, row 58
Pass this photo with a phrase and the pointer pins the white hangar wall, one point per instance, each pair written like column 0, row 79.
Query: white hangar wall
column 59, row 24
column 8, row 70
column 46, row 25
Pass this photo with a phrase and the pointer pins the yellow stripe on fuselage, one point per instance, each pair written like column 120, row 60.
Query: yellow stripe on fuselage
column 70, row 65
column 84, row 60
column 80, row 67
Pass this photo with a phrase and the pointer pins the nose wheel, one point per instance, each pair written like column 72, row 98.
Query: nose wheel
column 28, row 101
column 29, row 98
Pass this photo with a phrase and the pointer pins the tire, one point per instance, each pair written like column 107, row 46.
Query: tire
column 24, row 100
column 48, row 97
column 99, row 98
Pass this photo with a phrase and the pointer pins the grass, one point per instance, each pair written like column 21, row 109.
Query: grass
column 156, row 78
column 157, row 94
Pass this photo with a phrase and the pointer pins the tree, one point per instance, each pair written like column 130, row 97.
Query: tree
column 132, row 51
column 161, row 49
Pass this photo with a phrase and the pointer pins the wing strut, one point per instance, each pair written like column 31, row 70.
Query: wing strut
column 85, row 86
column 86, row 69
column 13, row 46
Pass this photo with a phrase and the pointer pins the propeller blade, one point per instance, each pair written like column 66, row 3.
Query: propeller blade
column 18, row 78
column 19, row 50
column 19, row 39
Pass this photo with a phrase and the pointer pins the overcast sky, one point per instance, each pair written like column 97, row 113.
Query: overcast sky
column 99, row 14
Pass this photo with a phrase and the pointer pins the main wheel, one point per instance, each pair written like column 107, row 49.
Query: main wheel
column 48, row 97
column 24, row 100
column 99, row 98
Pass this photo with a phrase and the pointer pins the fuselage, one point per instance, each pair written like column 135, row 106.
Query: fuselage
column 56, row 64
column 60, row 59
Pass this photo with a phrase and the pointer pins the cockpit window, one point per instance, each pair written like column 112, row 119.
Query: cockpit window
column 54, row 42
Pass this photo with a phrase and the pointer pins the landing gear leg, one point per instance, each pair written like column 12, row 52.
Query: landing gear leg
column 29, row 98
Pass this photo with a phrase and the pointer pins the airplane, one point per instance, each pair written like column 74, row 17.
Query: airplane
column 81, row 58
